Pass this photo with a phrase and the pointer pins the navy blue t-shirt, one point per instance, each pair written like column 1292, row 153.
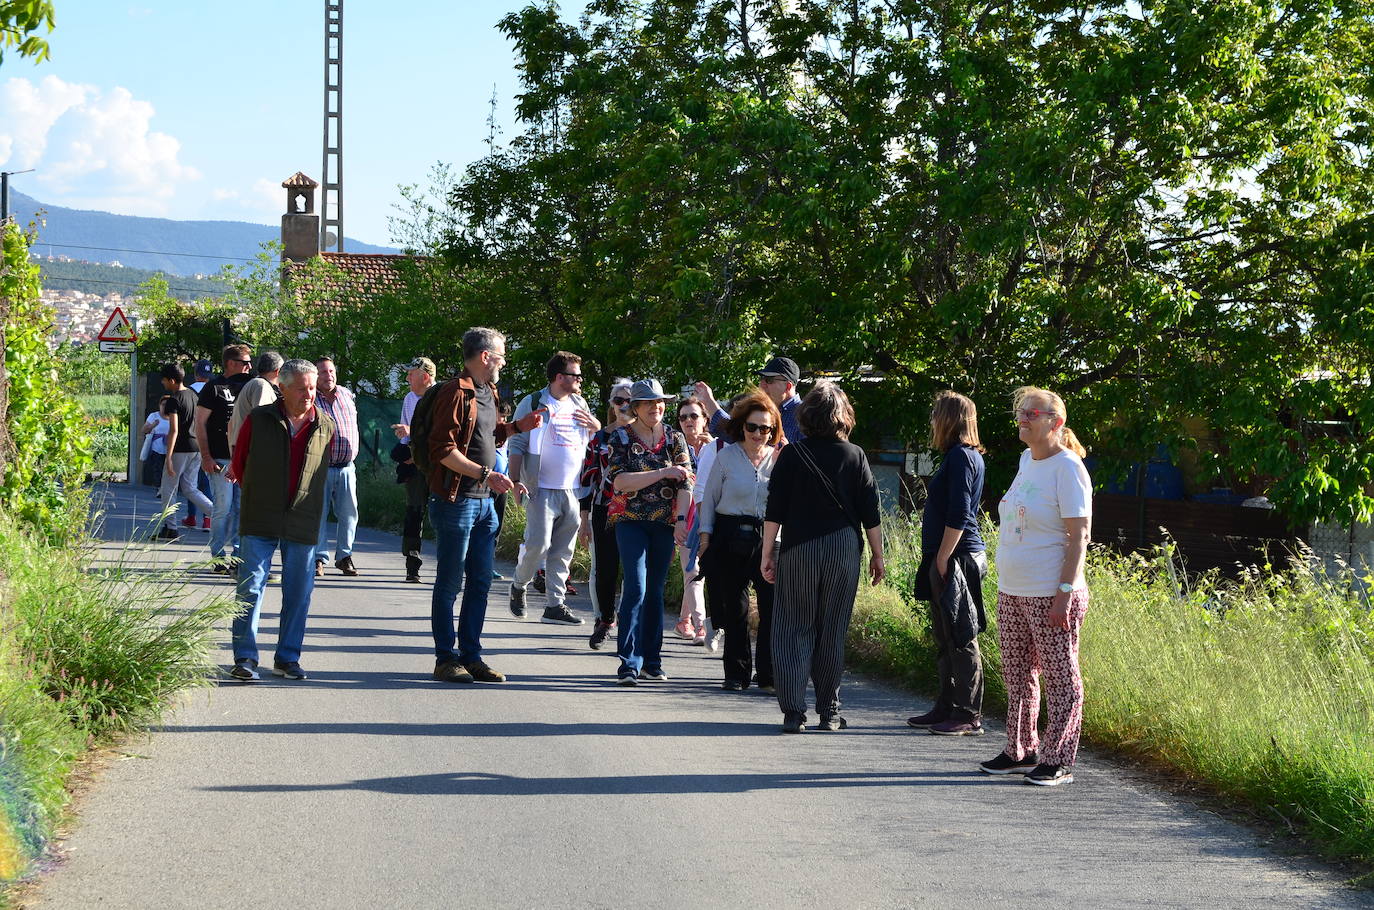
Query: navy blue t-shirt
column 955, row 492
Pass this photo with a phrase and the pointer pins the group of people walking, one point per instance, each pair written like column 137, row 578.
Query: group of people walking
column 763, row 498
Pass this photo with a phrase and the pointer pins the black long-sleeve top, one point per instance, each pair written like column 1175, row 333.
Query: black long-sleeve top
column 798, row 500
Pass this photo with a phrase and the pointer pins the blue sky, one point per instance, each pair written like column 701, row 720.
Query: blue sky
column 200, row 110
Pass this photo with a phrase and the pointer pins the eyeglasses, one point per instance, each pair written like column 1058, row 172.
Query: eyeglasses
column 243, row 361
column 758, row 427
column 620, row 401
column 576, row 377
column 1031, row 414
column 496, row 357
column 690, row 416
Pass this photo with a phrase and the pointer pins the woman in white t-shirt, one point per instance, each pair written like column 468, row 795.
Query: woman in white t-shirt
column 1041, row 593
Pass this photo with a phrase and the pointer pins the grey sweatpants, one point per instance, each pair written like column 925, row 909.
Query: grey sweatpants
column 182, row 480
column 551, row 523
column 812, row 603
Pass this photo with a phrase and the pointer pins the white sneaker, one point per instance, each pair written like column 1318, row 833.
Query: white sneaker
column 713, row 641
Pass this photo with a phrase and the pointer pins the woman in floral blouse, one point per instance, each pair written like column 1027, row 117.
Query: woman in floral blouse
column 651, row 474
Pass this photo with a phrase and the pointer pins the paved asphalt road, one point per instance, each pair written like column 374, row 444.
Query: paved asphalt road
column 372, row 786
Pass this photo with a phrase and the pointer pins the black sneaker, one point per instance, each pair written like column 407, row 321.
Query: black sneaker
column 291, row 670
column 245, row 670
column 734, row 685
column 626, row 679
column 832, row 722
column 1005, row 764
column 517, row 602
column 599, row 633
column 1050, row 775
column 483, row 673
column 559, row 613
column 794, row 723
column 413, row 578
column 928, row 719
column 167, row 533
column 654, row 675
column 540, row 584
column 451, row 671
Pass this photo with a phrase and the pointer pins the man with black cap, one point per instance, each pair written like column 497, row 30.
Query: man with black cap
column 778, row 379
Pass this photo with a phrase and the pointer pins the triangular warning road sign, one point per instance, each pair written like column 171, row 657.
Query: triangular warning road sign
column 117, row 328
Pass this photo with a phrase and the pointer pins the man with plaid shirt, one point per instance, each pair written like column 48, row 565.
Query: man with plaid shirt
column 341, row 489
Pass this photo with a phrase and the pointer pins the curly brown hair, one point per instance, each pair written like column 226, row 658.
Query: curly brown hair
column 753, row 400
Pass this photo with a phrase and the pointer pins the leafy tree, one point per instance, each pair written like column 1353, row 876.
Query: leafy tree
column 180, row 331
column 20, row 20
column 1158, row 209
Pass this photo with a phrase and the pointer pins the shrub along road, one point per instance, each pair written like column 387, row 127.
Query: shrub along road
column 371, row 785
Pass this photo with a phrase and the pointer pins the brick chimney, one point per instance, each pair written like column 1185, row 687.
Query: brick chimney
column 300, row 226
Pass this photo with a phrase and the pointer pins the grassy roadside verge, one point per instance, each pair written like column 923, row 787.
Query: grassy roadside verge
column 86, row 655
column 1261, row 690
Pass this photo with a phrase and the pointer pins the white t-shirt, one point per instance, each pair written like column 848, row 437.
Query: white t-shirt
column 408, row 412
column 561, row 444
column 159, row 432
column 1032, row 538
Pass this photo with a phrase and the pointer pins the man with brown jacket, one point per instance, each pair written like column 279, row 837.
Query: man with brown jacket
column 281, row 462
column 465, row 432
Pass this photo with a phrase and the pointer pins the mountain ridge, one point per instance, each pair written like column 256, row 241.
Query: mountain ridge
column 159, row 244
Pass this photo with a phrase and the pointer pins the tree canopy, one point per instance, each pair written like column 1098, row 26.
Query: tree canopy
column 20, row 22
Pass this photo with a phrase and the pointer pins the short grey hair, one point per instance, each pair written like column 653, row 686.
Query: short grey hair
column 269, row 362
column 479, row 339
column 293, row 369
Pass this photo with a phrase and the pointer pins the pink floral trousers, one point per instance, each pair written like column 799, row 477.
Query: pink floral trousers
column 1034, row 651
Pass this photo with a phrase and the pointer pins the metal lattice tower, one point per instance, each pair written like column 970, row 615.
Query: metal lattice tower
column 331, row 171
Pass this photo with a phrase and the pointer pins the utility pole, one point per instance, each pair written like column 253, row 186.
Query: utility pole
column 5, row 192
column 331, row 171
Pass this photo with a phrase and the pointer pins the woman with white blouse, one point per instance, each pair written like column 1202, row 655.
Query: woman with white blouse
column 731, row 529
column 1042, row 596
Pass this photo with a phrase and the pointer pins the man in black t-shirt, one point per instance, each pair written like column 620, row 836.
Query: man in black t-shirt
column 214, row 408
column 183, row 458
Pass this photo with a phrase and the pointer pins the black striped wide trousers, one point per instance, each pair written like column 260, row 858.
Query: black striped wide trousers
column 812, row 603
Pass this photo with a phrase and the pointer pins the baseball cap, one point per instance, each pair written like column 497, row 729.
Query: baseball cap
column 204, row 368
column 783, row 367
column 422, row 363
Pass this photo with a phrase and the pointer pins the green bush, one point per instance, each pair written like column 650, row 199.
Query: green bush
column 1262, row 689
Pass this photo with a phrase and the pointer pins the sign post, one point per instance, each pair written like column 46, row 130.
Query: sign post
column 119, row 337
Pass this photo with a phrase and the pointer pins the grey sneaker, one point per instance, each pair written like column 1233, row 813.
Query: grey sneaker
column 517, row 602
column 559, row 613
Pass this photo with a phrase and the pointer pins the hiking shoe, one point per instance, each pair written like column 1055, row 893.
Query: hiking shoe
column 713, row 641
column 683, row 629
column 832, row 722
column 413, row 578
column 167, row 533
column 626, row 679
column 482, row 673
column 559, row 613
column 188, row 522
column 653, row 675
column 953, row 727
column 1005, row 764
column 794, row 723
column 205, row 524
column 319, row 570
column 1050, row 775
column 245, row 669
column 599, row 633
column 540, row 584
column 288, row 669
column 517, row 602
column 345, row 566
column 451, row 671
column 928, row 719
column 734, row 685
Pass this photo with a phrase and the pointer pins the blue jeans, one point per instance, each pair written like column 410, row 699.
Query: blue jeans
column 646, row 549
column 466, row 532
column 297, row 584
column 340, row 493
column 224, row 517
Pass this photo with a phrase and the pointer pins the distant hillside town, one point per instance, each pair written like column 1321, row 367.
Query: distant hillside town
column 80, row 315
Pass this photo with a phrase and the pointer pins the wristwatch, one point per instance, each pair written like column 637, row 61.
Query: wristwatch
column 1066, row 587
column 486, row 472
column 680, row 518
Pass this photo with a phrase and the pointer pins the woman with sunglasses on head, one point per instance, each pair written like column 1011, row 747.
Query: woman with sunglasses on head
column 823, row 499
column 595, row 534
column 691, row 621
column 731, row 537
column 1042, row 596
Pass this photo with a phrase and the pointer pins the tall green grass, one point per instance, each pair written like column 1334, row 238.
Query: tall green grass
column 1262, row 689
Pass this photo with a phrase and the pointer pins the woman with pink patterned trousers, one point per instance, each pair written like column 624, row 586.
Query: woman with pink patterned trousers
column 1041, row 593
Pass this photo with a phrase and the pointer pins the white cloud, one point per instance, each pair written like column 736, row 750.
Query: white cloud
column 92, row 148
column 263, row 200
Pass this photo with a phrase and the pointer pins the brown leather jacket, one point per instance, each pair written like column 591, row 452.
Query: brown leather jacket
column 451, row 425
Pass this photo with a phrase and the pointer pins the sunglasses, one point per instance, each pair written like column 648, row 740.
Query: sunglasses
column 690, row 416
column 620, row 401
column 576, row 377
column 758, row 427
column 1031, row 414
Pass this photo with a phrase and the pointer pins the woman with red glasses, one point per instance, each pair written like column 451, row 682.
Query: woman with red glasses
column 731, row 537
column 595, row 534
column 1042, row 596
column 691, row 620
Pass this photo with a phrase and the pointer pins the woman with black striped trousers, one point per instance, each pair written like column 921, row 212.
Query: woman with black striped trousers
column 820, row 497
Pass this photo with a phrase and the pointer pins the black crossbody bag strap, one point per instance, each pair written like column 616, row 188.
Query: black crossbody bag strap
column 829, row 487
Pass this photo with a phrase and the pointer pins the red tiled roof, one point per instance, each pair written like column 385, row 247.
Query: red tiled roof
column 365, row 275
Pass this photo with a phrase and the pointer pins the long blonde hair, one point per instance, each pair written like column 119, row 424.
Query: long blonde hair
column 1067, row 438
